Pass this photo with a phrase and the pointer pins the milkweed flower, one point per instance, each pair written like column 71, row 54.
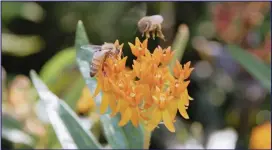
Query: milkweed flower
column 148, row 92
column 85, row 102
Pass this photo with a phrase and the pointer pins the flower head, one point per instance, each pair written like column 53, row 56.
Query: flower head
column 148, row 92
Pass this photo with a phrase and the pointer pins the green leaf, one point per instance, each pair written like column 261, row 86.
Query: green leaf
column 118, row 137
column 26, row 10
column 11, row 10
column 21, row 45
column 10, row 122
column 65, row 122
column 63, row 59
column 73, row 93
column 81, row 36
column 253, row 65
column 62, row 76
column 12, row 130
column 179, row 44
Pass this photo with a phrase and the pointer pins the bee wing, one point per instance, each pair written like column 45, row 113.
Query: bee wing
column 157, row 19
column 92, row 48
column 128, row 22
column 100, row 55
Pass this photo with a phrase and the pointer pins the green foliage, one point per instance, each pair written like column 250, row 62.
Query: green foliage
column 118, row 137
column 253, row 65
column 67, row 72
column 10, row 122
column 65, row 122
column 11, row 10
column 12, row 126
column 22, row 45
column 180, row 44
column 61, row 75
column 27, row 10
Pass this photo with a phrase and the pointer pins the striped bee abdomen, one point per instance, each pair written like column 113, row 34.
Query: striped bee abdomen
column 94, row 66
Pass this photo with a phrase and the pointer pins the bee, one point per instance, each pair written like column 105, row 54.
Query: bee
column 151, row 24
column 101, row 53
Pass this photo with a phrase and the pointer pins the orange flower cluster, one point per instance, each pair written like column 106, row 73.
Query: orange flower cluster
column 148, row 93
column 260, row 137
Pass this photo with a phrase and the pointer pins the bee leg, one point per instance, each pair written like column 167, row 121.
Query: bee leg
column 143, row 34
column 147, row 34
column 153, row 34
column 159, row 32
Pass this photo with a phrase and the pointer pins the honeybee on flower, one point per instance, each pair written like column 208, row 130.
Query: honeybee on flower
column 148, row 93
column 101, row 53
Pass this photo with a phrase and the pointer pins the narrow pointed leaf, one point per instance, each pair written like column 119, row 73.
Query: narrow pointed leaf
column 81, row 35
column 179, row 44
column 118, row 137
column 253, row 65
column 65, row 122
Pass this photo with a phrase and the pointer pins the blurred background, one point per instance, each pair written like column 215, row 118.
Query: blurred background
column 231, row 107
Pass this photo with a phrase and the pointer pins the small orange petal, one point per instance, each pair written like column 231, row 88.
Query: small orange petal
column 144, row 44
column 122, row 64
column 121, row 46
column 116, row 43
column 112, row 103
column 134, row 50
column 104, row 103
column 182, row 87
column 97, row 89
column 187, row 65
column 136, row 67
column 106, row 84
column 182, row 110
column 167, row 51
column 173, row 108
column 125, row 117
column 147, row 54
column 168, row 121
column 188, row 73
column 155, row 119
column 135, row 117
column 176, row 69
column 137, row 42
column 121, row 105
